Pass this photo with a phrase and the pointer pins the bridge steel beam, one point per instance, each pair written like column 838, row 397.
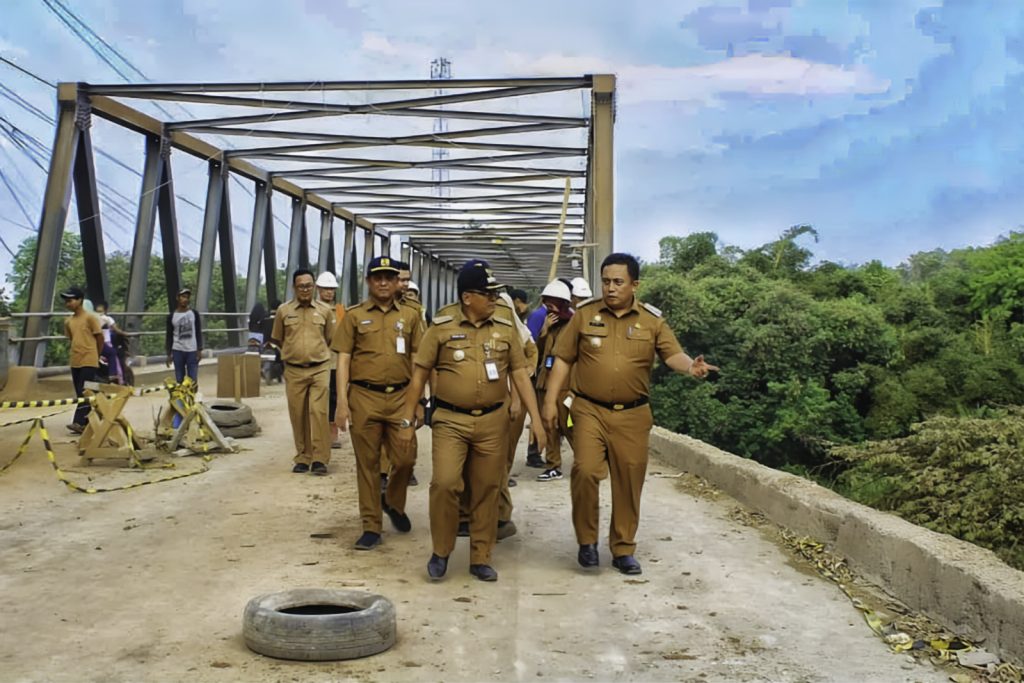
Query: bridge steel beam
column 325, row 251
column 257, row 240
column 349, row 276
column 56, row 200
column 601, row 184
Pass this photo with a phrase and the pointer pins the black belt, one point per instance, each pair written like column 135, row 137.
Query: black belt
column 643, row 400
column 306, row 365
column 382, row 388
column 475, row 412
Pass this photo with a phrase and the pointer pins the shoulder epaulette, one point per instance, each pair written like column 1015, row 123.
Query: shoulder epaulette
column 349, row 308
column 442, row 319
column 587, row 302
column 411, row 304
column 502, row 321
column 651, row 309
column 447, row 307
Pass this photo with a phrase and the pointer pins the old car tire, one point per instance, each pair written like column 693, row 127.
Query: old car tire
column 228, row 413
column 318, row 624
column 241, row 431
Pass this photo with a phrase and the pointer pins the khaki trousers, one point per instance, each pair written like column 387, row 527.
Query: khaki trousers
column 307, row 393
column 474, row 447
column 515, row 431
column 609, row 441
column 553, row 452
column 375, row 424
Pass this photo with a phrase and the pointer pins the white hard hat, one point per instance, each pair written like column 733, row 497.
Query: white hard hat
column 557, row 289
column 413, row 287
column 327, row 280
column 581, row 288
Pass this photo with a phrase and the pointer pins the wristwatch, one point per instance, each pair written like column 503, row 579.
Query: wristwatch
column 404, row 424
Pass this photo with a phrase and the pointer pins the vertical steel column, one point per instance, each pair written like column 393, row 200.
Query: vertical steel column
column 349, row 283
column 432, row 268
column 51, row 225
column 142, row 248
column 385, row 245
column 97, row 287
column 367, row 257
column 208, row 244
column 295, row 244
column 602, row 171
column 405, row 254
column 270, row 253
column 256, row 240
column 229, row 273
column 168, row 226
column 325, row 252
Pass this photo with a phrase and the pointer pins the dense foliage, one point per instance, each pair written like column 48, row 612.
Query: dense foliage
column 815, row 356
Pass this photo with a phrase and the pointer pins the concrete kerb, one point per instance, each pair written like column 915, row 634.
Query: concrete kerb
column 958, row 584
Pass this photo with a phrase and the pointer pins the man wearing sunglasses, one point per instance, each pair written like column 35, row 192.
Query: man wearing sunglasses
column 476, row 355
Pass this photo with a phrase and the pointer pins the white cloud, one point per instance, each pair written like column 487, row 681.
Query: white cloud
column 755, row 74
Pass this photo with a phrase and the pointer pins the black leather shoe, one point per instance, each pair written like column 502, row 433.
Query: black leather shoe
column 587, row 556
column 300, row 468
column 400, row 520
column 627, row 564
column 437, row 566
column 534, row 460
column 368, row 541
column 318, row 469
column 463, row 529
column 484, row 572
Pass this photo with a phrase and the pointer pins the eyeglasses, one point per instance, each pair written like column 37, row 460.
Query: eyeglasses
column 490, row 295
column 304, row 287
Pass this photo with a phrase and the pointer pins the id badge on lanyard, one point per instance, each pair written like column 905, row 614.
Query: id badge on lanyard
column 400, row 345
column 491, row 368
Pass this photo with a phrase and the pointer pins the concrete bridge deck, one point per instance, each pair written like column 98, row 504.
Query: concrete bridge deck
column 150, row 583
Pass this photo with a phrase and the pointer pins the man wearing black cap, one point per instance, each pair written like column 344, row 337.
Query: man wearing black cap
column 375, row 342
column 83, row 329
column 302, row 331
column 475, row 355
column 184, row 338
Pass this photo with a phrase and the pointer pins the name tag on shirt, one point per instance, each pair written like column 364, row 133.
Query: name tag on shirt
column 491, row 367
column 400, row 345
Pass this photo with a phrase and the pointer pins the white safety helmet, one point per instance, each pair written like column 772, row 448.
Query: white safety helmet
column 413, row 287
column 327, row 280
column 581, row 288
column 556, row 289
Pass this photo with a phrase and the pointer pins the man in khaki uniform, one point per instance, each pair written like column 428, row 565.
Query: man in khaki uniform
column 475, row 355
column 555, row 298
column 375, row 343
column 83, row 329
column 612, row 341
column 302, row 331
column 326, row 292
column 503, row 310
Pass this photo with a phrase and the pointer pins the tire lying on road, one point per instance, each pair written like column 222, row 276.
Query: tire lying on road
column 316, row 624
column 228, row 413
column 241, row 431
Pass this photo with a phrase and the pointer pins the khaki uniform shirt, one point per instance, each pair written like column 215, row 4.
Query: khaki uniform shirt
column 304, row 332
column 614, row 355
column 381, row 341
column 460, row 350
column 82, row 330
column 502, row 311
column 548, row 350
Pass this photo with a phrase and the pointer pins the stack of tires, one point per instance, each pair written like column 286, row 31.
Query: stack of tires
column 233, row 419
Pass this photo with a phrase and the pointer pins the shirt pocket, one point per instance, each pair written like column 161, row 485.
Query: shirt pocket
column 593, row 340
column 640, row 342
column 368, row 327
column 455, row 352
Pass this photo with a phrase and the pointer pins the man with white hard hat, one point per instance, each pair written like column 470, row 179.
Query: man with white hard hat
column 556, row 299
column 580, row 291
column 327, row 291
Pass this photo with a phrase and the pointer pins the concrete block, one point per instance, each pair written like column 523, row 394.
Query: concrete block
column 960, row 585
column 21, row 383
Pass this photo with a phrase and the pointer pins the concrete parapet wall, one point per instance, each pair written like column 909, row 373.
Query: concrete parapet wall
column 958, row 584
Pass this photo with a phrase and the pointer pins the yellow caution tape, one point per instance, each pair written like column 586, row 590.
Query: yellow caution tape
column 32, row 419
column 39, row 427
column 46, row 404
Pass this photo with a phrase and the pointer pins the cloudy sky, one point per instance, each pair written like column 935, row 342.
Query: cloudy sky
column 888, row 125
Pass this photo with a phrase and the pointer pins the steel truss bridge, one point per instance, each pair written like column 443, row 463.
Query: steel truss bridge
column 358, row 153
